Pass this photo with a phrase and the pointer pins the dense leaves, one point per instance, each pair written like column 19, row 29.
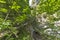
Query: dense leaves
column 16, row 17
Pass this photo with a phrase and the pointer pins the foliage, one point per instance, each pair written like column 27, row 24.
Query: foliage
column 16, row 19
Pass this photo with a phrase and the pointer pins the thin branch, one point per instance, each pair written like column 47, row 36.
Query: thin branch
column 6, row 16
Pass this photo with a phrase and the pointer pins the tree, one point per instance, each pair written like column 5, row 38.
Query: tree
column 16, row 20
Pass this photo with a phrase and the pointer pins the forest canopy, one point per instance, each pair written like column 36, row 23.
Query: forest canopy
column 18, row 20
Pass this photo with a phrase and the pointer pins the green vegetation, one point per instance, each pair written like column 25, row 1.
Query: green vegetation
column 16, row 19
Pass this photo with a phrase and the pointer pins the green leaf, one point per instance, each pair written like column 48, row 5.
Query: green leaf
column 2, row 1
column 3, row 10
